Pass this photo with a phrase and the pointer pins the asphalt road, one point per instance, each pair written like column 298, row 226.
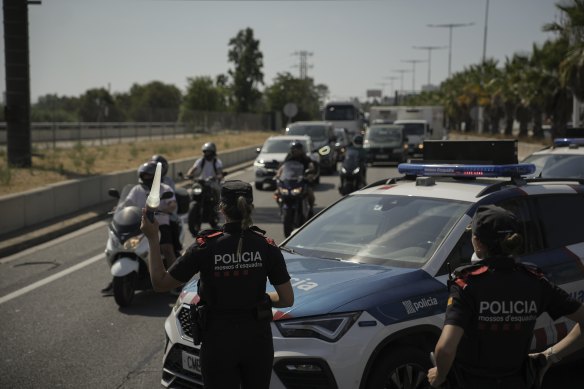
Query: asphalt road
column 58, row 331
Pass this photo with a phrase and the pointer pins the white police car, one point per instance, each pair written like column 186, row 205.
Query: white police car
column 370, row 271
column 565, row 159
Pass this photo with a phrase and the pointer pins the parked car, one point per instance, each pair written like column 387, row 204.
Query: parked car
column 370, row 272
column 343, row 140
column 565, row 159
column 323, row 138
column 272, row 154
column 385, row 143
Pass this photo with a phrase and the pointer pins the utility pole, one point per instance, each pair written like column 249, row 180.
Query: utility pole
column 303, row 65
column 413, row 62
column 401, row 72
column 429, row 48
column 392, row 78
column 450, row 26
column 17, row 67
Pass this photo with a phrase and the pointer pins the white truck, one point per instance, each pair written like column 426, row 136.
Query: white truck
column 420, row 123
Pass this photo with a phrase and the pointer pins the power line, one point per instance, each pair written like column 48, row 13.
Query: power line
column 303, row 65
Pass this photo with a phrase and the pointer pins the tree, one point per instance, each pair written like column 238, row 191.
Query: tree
column 202, row 95
column 247, row 73
column 155, row 101
column 52, row 108
column 302, row 92
column 95, row 105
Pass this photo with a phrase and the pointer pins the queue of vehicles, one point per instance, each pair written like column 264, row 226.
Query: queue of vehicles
column 370, row 271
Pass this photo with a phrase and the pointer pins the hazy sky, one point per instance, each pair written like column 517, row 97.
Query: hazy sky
column 356, row 45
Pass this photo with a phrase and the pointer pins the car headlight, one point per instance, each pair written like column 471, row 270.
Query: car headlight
column 133, row 242
column 259, row 163
column 329, row 328
column 421, row 146
column 324, row 150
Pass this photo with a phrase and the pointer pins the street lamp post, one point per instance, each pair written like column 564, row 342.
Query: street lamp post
column 401, row 72
column 429, row 48
column 413, row 62
column 392, row 78
column 450, row 26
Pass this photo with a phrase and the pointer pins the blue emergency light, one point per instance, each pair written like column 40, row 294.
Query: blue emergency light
column 562, row 142
column 471, row 171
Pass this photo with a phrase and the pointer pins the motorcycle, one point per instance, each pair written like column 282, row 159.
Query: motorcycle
column 127, row 248
column 204, row 199
column 351, row 173
column 291, row 196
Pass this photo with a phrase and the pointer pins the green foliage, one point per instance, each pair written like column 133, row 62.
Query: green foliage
column 152, row 102
column 247, row 73
column 203, row 95
column 288, row 89
column 97, row 105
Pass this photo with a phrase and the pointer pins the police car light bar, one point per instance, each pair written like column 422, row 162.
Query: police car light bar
column 447, row 170
column 559, row 142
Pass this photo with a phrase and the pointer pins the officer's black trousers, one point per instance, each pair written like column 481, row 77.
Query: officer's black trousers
column 237, row 351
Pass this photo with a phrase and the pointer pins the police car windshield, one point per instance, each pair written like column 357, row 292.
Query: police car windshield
column 402, row 231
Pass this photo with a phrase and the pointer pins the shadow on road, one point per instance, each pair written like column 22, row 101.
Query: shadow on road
column 150, row 303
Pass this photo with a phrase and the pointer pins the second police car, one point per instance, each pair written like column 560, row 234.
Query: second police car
column 370, row 271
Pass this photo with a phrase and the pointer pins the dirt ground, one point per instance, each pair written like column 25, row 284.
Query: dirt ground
column 76, row 161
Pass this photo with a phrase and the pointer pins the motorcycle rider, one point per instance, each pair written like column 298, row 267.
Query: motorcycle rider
column 137, row 197
column 208, row 165
column 298, row 154
column 357, row 144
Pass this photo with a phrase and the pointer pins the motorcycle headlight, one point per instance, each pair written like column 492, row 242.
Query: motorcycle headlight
column 297, row 191
column 197, row 190
column 343, row 170
column 133, row 242
column 284, row 191
column 356, row 171
column 324, row 150
column 329, row 328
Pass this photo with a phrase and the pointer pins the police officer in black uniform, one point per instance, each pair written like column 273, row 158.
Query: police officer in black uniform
column 235, row 310
column 491, row 313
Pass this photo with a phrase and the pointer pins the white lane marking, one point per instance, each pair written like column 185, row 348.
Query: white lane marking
column 49, row 279
column 53, row 242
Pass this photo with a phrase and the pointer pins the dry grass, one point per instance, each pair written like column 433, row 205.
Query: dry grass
column 54, row 165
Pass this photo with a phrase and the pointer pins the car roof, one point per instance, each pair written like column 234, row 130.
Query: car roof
column 289, row 137
column 410, row 121
column 309, row 123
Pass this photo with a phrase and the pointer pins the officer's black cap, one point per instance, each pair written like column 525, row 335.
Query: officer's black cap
column 233, row 189
column 492, row 223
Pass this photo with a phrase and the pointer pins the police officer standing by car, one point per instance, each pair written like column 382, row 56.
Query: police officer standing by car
column 492, row 310
column 234, row 312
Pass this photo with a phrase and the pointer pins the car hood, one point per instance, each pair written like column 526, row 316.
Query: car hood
column 325, row 286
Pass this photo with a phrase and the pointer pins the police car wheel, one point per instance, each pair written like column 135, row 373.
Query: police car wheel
column 400, row 368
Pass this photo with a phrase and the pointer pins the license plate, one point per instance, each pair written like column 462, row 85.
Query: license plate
column 382, row 156
column 191, row 362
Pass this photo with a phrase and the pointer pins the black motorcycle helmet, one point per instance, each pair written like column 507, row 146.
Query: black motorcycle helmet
column 146, row 173
column 296, row 145
column 163, row 161
column 209, row 148
column 358, row 140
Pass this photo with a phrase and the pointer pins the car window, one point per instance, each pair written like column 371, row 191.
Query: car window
column 562, row 219
column 413, row 128
column 315, row 132
column 462, row 252
column 557, row 165
column 276, row 146
column 384, row 134
column 384, row 230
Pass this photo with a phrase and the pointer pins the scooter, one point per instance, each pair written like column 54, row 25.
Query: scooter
column 127, row 248
column 351, row 173
column 291, row 196
column 204, row 199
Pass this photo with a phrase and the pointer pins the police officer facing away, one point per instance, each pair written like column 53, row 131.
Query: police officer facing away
column 234, row 263
column 491, row 313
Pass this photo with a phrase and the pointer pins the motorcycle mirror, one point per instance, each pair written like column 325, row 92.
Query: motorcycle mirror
column 113, row 193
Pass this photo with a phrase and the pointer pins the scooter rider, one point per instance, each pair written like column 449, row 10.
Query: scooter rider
column 234, row 312
column 298, row 154
column 137, row 197
column 492, row 310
